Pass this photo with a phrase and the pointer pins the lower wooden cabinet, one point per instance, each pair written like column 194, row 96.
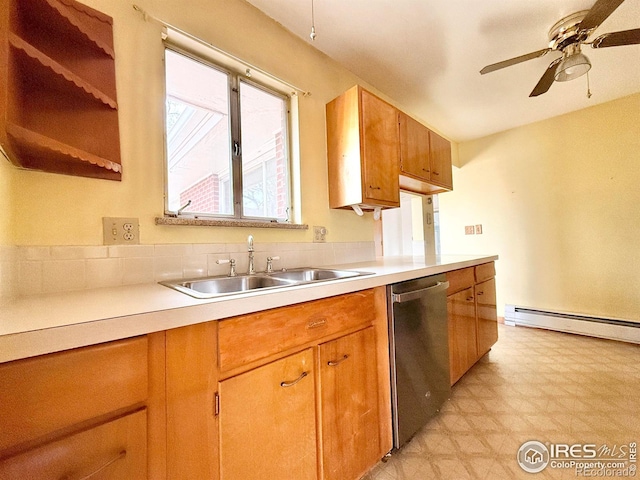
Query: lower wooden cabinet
column 317, row 409
column 349, row 405
column 472, row 316
column 114, row 450
column 192, row 383
column 92, row 412
column 268, row 421
column 486, row 310
column 311, row 400
column 463, row 348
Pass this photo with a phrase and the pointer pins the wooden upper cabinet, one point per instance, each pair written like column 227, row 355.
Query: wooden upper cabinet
column 58, row 105
column 414, row 148
column 440, row 159
column 425, row 158
column 363, row 151
column 380, row 153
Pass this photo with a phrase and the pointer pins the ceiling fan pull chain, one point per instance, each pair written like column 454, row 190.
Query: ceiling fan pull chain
column 312, row 35
column 588, row 87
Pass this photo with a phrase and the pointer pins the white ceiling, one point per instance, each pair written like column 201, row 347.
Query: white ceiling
column 426, row 55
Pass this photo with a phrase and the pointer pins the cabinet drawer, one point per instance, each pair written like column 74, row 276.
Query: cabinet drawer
column 460, row 279
column 115, row 450
column 247, row 338
column 485, row 271
column 43, row 394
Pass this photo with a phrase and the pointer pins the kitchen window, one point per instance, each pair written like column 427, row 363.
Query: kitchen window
column 227, row 142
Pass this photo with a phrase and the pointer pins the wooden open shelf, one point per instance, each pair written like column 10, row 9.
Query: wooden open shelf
column 58, row 102
column 28, row 139
column 76, row 14
column 56, row 69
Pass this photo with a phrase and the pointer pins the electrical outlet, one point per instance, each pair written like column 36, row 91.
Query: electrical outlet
column 120, row 231
column 319, row 234
column 469, row 230
column 479, row 229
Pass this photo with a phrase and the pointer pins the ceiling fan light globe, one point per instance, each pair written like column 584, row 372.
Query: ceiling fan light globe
column 572, row 67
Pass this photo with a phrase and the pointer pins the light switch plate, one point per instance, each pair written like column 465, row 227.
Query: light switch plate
column 120, row 231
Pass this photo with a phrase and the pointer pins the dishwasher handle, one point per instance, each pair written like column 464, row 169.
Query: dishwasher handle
column 415, row 294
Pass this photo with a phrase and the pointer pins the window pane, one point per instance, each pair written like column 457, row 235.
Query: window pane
column 198, row 136
column 265, row 187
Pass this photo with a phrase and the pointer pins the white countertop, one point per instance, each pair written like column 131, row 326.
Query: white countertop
column 32, row 326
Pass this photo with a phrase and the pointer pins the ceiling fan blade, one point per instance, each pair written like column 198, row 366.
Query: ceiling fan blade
column 507, row 63
column 599, row 13
column 614, row 39
column 547, row 79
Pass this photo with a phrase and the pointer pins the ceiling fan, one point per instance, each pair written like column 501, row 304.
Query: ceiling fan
column 567, row 36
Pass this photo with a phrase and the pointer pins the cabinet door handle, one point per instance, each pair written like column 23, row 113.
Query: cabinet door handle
column 317, row 323
column 426, row 170
column 120, row 456
column 436, row 173
column 335, row 363
column 480, row 293
column 469, row 298
column 291, row 384
column 374, row 188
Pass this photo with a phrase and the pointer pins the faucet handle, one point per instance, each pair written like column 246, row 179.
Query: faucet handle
column 232, row 264
column 270, row 263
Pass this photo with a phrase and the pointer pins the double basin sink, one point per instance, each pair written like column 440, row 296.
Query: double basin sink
column 210, row 287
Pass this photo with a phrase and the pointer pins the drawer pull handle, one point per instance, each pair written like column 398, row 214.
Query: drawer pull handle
column 120, row 456
column 291, row 384
column 480, row 293
column 317, row 323
column 375, row 188
column 469, row 299
column 335, row 363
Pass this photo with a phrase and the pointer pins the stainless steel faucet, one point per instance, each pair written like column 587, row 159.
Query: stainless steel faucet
column 252, row 269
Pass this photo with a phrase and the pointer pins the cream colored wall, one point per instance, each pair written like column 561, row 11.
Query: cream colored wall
column 6, row 192
column 59, row 210
column 559, row 201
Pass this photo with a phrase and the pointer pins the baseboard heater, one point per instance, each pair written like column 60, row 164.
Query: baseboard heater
column 609, row 328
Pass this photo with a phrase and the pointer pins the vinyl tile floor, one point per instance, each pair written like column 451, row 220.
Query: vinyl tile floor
column 534, row 385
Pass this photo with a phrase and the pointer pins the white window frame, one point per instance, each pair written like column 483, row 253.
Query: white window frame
column 237, row 71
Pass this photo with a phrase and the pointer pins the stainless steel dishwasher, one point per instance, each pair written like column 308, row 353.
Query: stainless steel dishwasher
column 419, row 353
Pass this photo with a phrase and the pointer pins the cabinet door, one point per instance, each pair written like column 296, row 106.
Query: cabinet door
column 380, row 151
column 350, row 414
column 463, row 350
column 487, row 315
column 414, row 148
column 268, row 421
column 440, row 158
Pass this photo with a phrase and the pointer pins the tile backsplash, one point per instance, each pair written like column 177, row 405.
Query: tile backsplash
column 26, row 271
